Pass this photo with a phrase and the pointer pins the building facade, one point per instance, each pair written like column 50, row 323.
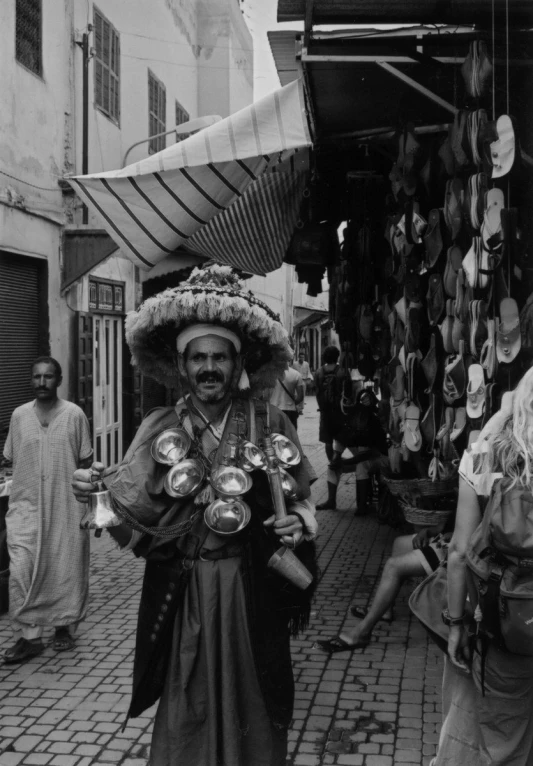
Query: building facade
column 86, row 87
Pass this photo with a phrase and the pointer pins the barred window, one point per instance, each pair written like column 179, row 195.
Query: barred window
column 28, row 35
column 157, row 111
column 181, row 117
column 106, row 67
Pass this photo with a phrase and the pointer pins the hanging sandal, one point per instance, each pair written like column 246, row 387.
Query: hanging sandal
column 475, row 392
column 508, row 340
column 411, row 429
column 487, row 357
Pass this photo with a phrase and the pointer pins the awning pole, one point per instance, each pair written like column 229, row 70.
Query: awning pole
column 416, row 85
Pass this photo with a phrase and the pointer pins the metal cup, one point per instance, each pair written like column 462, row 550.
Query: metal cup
column 185, row 478
column 286, row 451
column 289, row 485
column 227, row 516
column 250, row 457
column 171, row 446
column 230, row 481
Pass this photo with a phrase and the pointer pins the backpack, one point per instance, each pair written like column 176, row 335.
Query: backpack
column 329, row 388
column 500, row 569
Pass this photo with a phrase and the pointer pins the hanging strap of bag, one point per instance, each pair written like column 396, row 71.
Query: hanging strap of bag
column 282, row 384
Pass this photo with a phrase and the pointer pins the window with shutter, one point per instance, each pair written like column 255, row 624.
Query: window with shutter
column 157, row 111
column 181, row 117
column 106, row 67
column 28, row 35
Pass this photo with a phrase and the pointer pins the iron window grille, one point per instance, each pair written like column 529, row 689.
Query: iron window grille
column 106, row 67
column 106, row 296
column 157, row 110
column 28, row 35
column 181, row 117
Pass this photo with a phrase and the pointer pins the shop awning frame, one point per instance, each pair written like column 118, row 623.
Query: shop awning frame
column 231, row 192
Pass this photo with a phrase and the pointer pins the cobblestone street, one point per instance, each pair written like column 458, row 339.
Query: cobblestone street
column 376, row 707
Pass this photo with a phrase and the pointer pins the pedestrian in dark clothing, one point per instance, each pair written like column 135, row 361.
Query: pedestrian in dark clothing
column 331, row 383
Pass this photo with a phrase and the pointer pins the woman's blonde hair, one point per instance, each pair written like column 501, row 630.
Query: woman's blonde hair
column 510, row 449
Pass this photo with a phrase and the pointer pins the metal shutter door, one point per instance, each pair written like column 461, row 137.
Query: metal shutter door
column 20, row 333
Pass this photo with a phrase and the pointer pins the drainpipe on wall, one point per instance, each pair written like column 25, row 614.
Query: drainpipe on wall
column 84, row 45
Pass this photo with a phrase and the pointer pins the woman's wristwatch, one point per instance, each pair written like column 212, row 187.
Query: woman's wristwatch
column 447, row 620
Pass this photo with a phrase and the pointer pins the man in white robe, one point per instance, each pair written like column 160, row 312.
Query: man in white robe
column 49, row 554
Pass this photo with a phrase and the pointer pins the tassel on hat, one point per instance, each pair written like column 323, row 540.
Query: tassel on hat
column 244, row 381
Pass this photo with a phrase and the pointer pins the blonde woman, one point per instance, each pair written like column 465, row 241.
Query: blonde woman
column 487, row 694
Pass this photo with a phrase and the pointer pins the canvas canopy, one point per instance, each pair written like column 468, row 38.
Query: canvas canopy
column 230, row 192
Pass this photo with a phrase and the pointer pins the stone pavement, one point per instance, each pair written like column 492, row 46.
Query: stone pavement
column 376, row 707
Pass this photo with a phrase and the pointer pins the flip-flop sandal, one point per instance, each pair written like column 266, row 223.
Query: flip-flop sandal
column 487, row 357
column 63, row 641
column 446, row 427
column 458, row 332
column 446, row 328
column 430, row 363
column 362, row 611
column 461, row 308
column 411, row 429
column 338, row 644
column 459, row 424
column 433, row 237
column 428, row 425
column 459, row 129
column 502, row 151
column 508, row 340
column 22, row 651
column 435, row 299
column 436, row 468
column 470, row 265
column 475, row 392
column 454, row 259
column 453, row 209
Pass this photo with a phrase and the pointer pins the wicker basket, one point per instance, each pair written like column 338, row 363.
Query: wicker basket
column 424, row 518
column 418, row 488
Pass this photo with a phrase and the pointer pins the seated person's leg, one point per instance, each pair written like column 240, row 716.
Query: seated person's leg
column 396, row 570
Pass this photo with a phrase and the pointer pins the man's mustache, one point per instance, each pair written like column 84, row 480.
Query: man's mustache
column 210, row 377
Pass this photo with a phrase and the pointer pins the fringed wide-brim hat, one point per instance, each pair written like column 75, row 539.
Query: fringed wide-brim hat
column 211, row 295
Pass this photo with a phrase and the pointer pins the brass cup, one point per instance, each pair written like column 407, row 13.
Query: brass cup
column 230, row 481
column 250, row 457
column 286, row 451
column 185, row 478
column 171, row 446
column 227, row 516
column 288, row 485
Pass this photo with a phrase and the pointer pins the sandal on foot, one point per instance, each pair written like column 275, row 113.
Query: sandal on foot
column 362, row 611
column 23, row 650
column 338, row 644
column 63, row 641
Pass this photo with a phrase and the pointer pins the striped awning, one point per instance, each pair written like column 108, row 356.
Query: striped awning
column 231, row 192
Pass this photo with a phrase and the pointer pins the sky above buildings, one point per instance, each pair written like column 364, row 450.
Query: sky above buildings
column 260, row 17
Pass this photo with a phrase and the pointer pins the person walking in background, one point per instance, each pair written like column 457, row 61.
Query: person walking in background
column 363, row 435
column 301, row 365
column 49, row 554
column 288, row 394
column 330, row 383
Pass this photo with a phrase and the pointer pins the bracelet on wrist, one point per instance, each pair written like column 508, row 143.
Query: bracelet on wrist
column 452, row 621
